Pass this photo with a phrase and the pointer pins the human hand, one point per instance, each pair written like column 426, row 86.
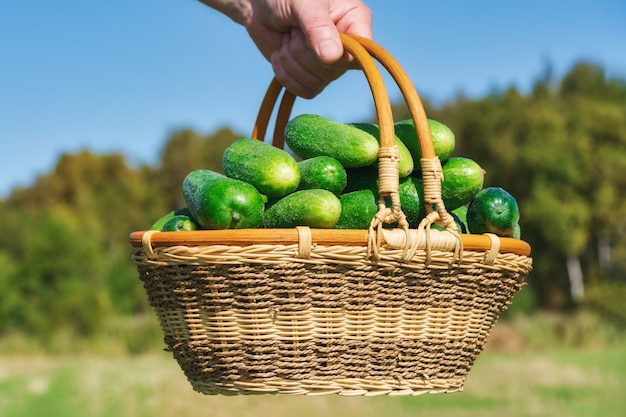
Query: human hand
column 301, row 37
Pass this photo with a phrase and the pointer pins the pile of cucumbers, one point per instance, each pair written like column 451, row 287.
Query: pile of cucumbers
column 329, row 179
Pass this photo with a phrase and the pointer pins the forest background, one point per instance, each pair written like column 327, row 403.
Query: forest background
column 66, row 273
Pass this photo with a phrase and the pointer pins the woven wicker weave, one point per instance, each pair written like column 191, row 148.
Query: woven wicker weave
column 389, row 310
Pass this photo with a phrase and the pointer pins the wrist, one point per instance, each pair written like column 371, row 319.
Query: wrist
column 237, row 10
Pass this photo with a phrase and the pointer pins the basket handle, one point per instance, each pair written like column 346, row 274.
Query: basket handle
column 363, row 50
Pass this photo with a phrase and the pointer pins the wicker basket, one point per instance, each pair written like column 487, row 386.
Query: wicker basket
column 389, row 310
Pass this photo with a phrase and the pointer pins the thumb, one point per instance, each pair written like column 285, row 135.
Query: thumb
column 321, row 32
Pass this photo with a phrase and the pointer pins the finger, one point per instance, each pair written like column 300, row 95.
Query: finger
column 352, row 18
column 266, row 39
column 294, row 77
column 355, row 20
column 299, row 70
column 320, row 30
column 298, row 49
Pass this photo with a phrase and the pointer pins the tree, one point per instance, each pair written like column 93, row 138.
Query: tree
column 68, row 237
column 186, row 151
column 561, row 152
column 54, row 277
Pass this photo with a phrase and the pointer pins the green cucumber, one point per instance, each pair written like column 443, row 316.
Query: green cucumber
column 322, row 172
column 494, row 210
column 460, row 216
column 411, row 191
column 179, row 223
column 158, row 225
column 460, row 225
column 361, row 178
column 462, row 179
column 310, row 135
column 442, row 136
column 461, row 212
column 517, row 231
column 406, row 163
column 273, row 171
column 358, row 208
column 315, row 208
column 216, row 201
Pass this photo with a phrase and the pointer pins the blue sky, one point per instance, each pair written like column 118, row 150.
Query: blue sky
column 120, row 75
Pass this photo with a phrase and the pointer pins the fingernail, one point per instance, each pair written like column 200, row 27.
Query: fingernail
column 329, row 50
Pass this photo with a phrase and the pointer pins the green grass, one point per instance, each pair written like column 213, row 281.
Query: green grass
column 542, row 366
column 563, row 382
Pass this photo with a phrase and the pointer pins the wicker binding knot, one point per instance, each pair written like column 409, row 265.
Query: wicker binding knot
column 389, row 310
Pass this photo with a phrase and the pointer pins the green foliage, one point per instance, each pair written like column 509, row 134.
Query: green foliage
column 64, row 248
column 608, row 298
column 53, row 272
column 561, row 151
column 186, row 151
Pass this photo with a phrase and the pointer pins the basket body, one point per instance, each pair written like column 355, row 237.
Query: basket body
column 259, row 319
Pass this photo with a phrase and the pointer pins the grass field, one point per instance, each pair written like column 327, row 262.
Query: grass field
column 512, row 380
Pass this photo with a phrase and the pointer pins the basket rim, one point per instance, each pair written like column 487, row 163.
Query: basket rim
column 344, row 237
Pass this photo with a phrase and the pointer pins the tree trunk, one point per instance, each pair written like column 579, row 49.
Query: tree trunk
column 575, row 275
column 604, row 252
